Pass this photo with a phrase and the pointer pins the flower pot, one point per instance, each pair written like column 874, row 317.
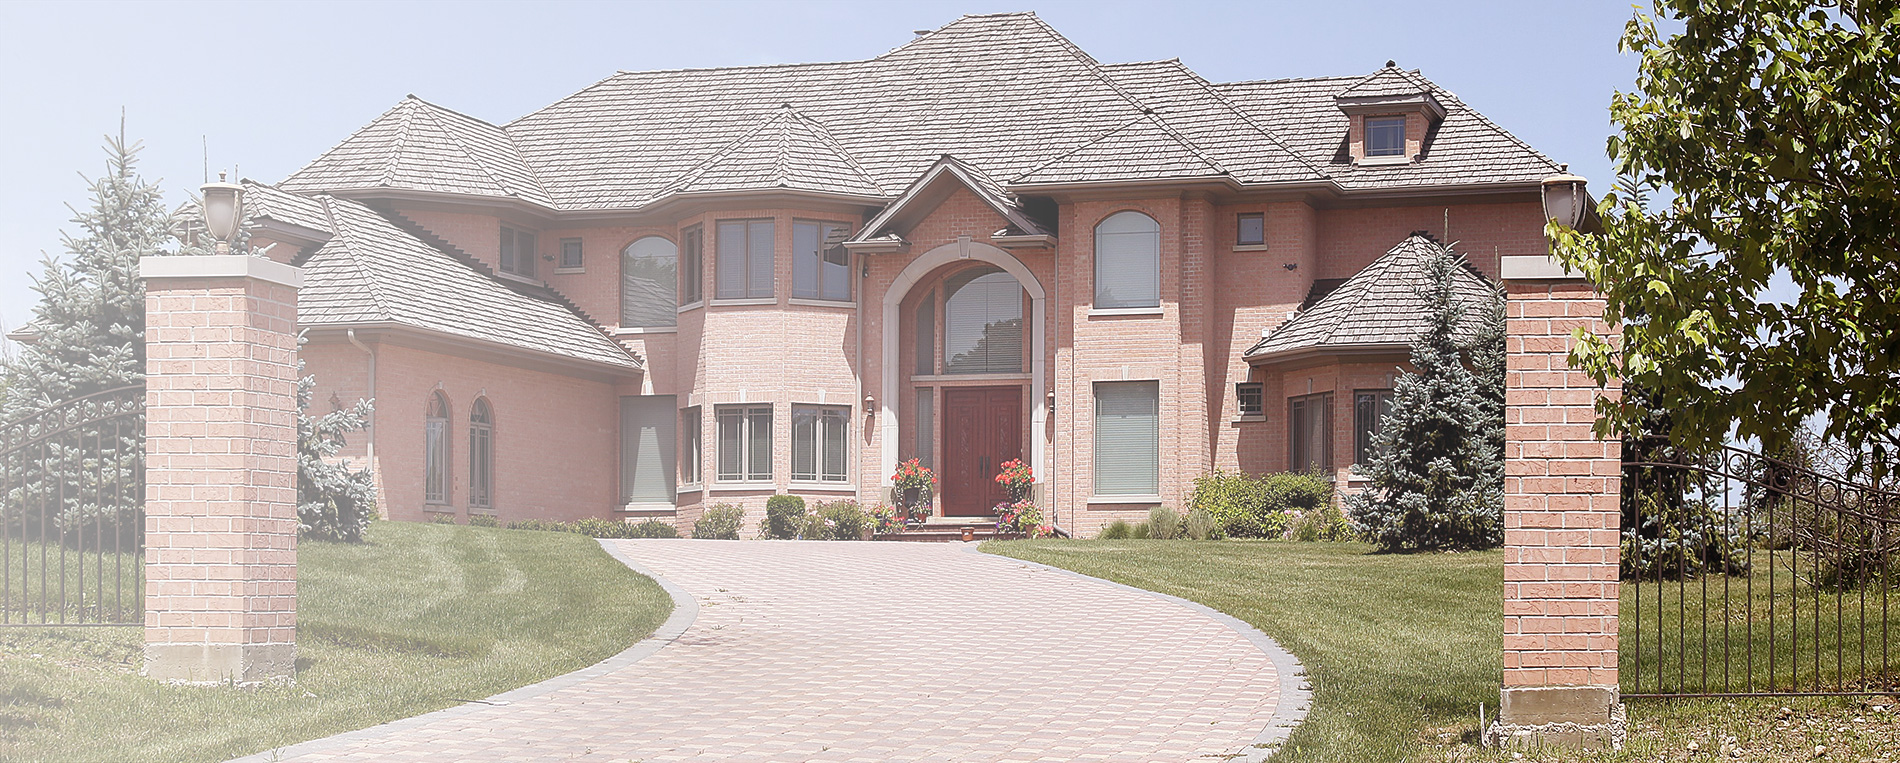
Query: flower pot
column 969, row 534
column 911, row 494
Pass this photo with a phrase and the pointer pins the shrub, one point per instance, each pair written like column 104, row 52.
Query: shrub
column 1247, row 506
column 483, row 520
column 441, row 518
column 846, row 518
column 1163, row 523
column 1139, row 532
column 721, row 521
column 654, row 528
column 603, row 528
column 1200, row 525
column 1020, row 518
column 813, row 526
column 784, row 517
column 1116, row 530
column 1326, row 523
column 544, row 525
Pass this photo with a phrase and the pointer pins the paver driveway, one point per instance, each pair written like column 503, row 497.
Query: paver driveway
column 804, row 651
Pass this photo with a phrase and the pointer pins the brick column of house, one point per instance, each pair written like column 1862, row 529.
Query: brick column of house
column 1561, row 522
column 221, row 468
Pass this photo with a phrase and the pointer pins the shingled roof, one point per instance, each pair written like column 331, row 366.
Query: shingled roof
column 373, row 273
column 1380, row 307
column 1004, row 93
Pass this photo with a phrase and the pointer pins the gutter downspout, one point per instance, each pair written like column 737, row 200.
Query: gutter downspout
column 369, row 449
column 857, row 396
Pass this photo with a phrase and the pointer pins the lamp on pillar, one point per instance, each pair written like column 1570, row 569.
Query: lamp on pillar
column 221, row 202
column 1564, row 197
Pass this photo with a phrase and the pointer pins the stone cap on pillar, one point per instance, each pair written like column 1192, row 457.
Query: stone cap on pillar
column 221, row 266
column 1534, row 267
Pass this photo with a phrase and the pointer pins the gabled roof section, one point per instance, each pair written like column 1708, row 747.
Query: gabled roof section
column 1380, row 307
column 937, row 184
column 1385, row 83
column 265, row 202
column 1142, row 149
column 420, row 146
column 1464, row 148
column 787, row 150
column 374, row 272
column 1201, row 115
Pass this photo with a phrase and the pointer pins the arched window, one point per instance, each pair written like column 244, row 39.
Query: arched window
column 982, row 323
column 649, row 278
column 1128, row 261
column 481, row 455
column 435, row 451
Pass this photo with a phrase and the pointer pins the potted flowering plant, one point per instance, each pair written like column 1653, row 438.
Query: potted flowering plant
column 911, row 487
column 1019, row 518
column 1016, row 478
column 885, row 521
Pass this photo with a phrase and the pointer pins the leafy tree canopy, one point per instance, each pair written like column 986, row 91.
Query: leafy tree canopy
column 1768, row 130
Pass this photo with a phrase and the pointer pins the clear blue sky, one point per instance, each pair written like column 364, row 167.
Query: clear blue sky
column 270, row 85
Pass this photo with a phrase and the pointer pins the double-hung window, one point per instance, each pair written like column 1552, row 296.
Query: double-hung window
column 745, row 443
column 1369, row 409
column 1309, row 425
column 1128, row 438
column 821, row 266
column 743, row 265
column 517, row 252
column 1385, row 136
column 647, row 443
column 692, row 258
column 820, row 441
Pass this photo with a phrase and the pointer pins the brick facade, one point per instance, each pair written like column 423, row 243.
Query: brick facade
column 221, row 470
column 1561, row 520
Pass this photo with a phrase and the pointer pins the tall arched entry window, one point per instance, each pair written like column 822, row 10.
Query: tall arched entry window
column 1128, row 261
column 481, row 455
column 966, row 412
column 435, row 451
column 649, row 280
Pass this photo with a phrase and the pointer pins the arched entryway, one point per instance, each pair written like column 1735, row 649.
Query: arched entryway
column 963, row 361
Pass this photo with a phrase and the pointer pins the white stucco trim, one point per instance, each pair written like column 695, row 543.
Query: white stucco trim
column 963, row 249
column 221, row 266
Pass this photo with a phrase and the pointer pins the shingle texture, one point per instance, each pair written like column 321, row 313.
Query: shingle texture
column 1004, row 93
column 373, row 271
column 1381, row 306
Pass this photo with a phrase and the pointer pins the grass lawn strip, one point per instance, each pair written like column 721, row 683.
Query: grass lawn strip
column 419, row 618
column 1398, row 671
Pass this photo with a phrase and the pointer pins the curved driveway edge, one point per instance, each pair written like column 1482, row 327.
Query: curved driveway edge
column 804, row 651
column 685, row 610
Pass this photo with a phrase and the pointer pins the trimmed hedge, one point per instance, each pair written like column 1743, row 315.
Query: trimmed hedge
column 1249, row 506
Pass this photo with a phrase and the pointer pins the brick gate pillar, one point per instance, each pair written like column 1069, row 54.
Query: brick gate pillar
column 1561, row 520
column 221, row 468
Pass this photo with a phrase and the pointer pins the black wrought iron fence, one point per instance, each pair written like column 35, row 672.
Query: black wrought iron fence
column 72, row 518
column 1747, row 575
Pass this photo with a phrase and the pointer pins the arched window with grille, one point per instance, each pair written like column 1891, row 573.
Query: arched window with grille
column 481, row 455
column 435, row 455
column 649, row 282
column 1128, row 261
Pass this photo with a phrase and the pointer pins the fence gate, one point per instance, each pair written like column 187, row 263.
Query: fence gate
column 1747, row 575
column 72, row 518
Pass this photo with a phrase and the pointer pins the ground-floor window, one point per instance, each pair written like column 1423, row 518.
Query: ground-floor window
column 820, row 438
column 745, row 443
column 1309, row 425
column 1251, row 397
column 435, row 451
column 481, row 455
column 1369, row 409
column 647, row 448
column 689, row 446
column 1128, row 438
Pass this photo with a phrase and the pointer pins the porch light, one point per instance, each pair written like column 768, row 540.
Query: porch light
column 1564, row 197
column 870, row 407
column 221, row 211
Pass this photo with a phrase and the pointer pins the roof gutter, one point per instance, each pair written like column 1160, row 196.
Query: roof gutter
column 1326, row 351
column 450, row 344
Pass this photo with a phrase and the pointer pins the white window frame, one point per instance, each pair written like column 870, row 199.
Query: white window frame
column 819, row 441
column 576, row 265
column 1108, row 475
column 1110, row 253
column 748, row 416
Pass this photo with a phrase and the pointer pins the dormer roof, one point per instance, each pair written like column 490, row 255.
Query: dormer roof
column 1390, row 90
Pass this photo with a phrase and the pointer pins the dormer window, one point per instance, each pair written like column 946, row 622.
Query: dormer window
column 1385, row 136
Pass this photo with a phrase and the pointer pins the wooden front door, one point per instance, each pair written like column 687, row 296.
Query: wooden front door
column 982, row 429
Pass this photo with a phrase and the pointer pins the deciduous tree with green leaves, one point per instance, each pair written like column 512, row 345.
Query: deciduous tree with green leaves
column 1750, row 251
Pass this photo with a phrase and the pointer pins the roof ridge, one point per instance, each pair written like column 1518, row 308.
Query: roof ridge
column 1248, row 118
column 1187, row 143
column 1436, row 90
column 824, row 136
column 1077, row 149
column 373, row 285
column 402, row 139
column 476, row 160
column 503, row 129
column 692, row 173
column 1278, row 80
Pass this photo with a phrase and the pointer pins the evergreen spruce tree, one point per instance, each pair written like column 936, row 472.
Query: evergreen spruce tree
column 1437, row 469
column 334, row 501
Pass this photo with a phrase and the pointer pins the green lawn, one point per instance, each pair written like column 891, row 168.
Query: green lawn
column 416, row 619
column 1401, row 648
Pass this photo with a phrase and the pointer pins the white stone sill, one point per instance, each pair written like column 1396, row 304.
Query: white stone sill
column 747, row 302
column 1251, row 247
column 1248, row 419
column 822, row 487
column 741, row 487
column 648, row 330
column 1120, row 312
column 1123, row 500
column 569, row 271
column 811, row 302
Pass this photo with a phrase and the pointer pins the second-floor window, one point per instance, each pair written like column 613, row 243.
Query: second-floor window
column 743, row 267
column 692, row 247
column 1128, row 261
column 517, row 252
column 1385, row 136
column 1250, row 229
column 821, row 267
column 571, row 254
column 648, row 271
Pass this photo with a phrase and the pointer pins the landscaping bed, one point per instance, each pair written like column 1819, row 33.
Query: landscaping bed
column 417, row 618
column 1401, row 648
